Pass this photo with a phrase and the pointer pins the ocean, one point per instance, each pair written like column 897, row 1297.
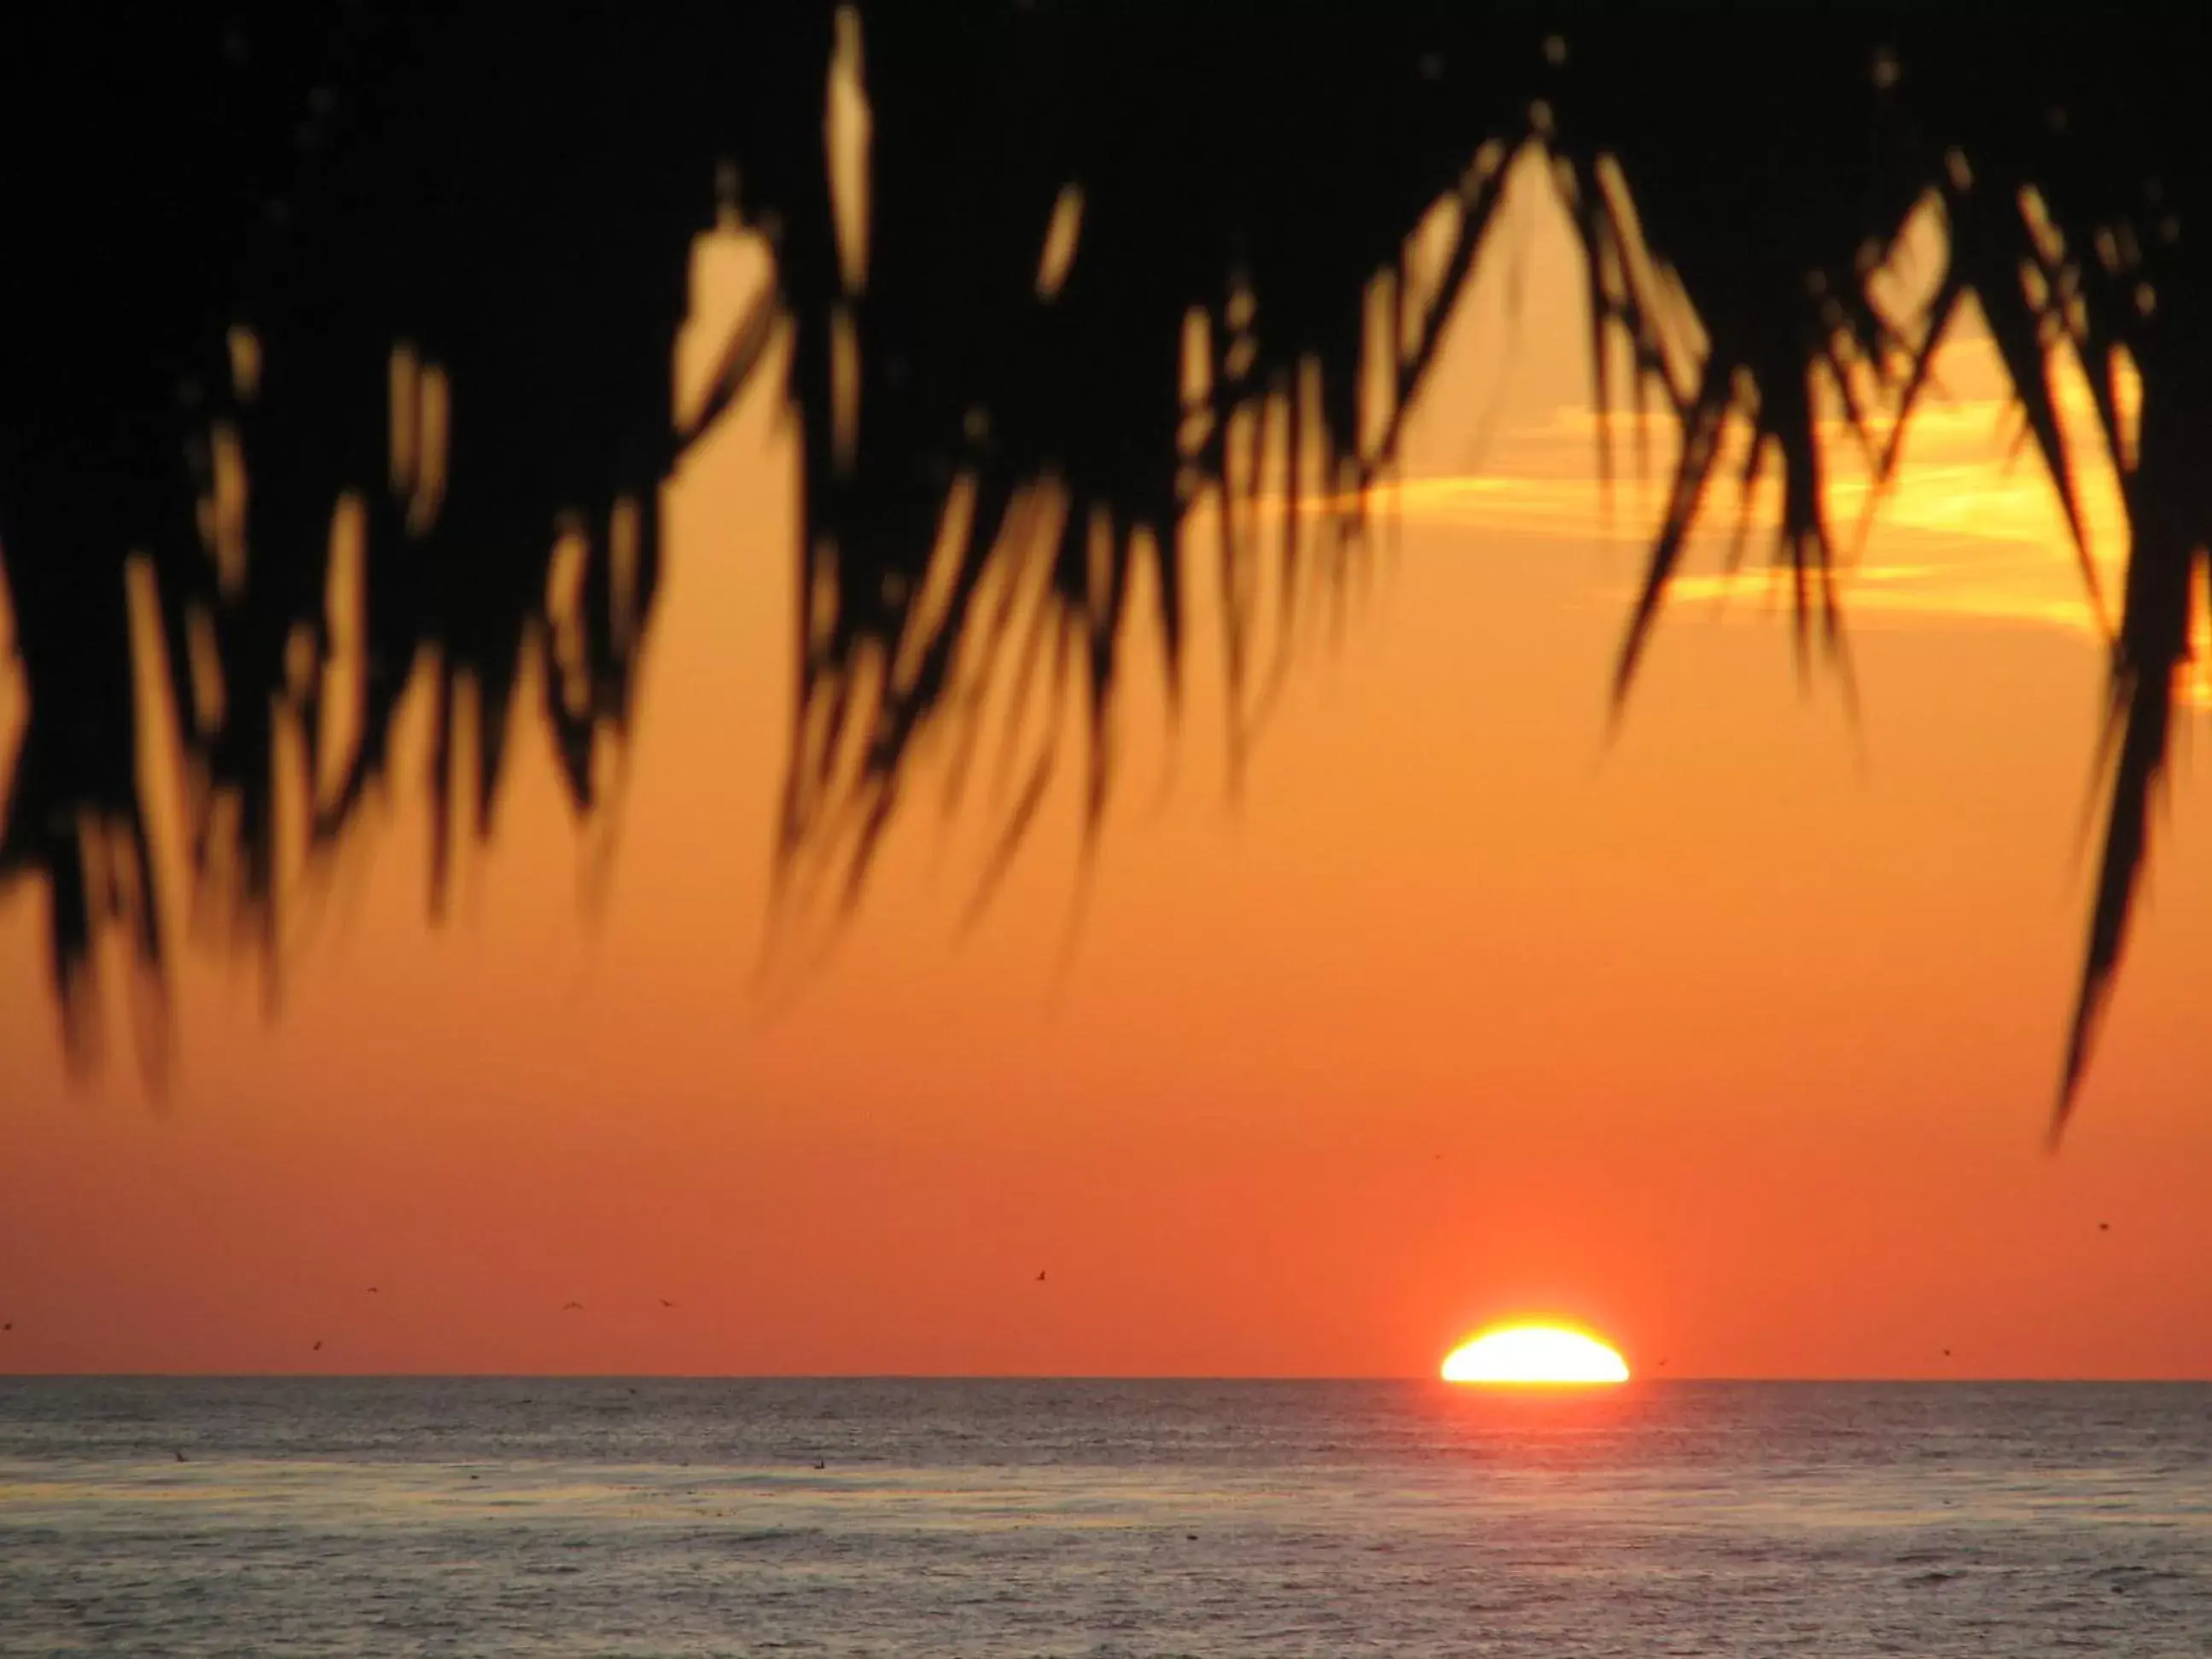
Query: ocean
column 653, row 1516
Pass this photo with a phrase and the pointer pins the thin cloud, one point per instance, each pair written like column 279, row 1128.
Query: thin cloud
column 1966, row 532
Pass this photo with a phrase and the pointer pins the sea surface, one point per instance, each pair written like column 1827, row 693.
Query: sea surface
column 531, row 1516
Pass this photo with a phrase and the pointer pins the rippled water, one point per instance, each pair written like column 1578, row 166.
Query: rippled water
column 531, row 1516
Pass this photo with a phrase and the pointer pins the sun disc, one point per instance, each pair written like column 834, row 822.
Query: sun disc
column 1535, row 1353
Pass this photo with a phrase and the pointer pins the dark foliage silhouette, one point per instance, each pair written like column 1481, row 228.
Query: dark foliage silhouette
column 357, row 323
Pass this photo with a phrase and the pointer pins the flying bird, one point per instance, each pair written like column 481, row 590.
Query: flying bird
column 665, row 1303
column 319, row 1346
column 372, row 1290
column 566, row 1307
column 2104, row 1226
column 1040, row 1278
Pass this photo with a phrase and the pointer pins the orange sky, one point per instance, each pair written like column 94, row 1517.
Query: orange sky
column 1733, row 1038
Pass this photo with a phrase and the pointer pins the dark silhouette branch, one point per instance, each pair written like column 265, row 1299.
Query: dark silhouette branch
column 354, row 324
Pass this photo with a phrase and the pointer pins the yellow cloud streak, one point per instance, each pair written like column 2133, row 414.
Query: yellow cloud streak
column 1970, row 530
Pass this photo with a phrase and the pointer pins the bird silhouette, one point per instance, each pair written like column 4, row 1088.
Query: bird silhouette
column 665, row 1303
column 820, row 1464
column 2104, row 1226
column 1947, row 1354
column 1040, row 1277
column 319, row 1347
column 372, row 1290
column 566, row 1307
column 181, row 1458
column 9, row 1325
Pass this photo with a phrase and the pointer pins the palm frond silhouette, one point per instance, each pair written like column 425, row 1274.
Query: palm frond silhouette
column 355, row 325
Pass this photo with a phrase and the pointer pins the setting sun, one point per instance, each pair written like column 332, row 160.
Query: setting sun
column 1535, row 1353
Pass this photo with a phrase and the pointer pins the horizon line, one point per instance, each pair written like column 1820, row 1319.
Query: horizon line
column 1070, row 1376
